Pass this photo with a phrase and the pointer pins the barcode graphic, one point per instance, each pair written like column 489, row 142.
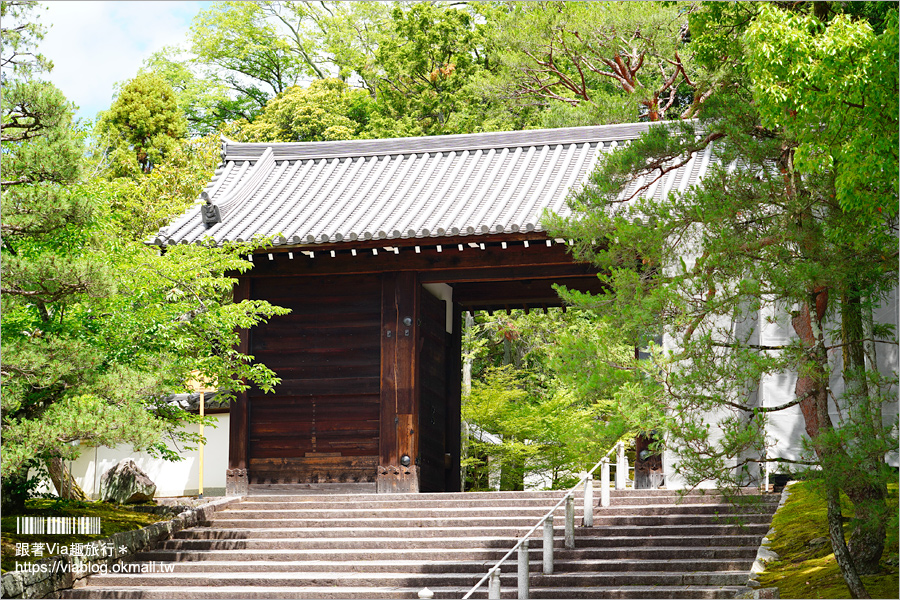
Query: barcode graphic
column 57, row 525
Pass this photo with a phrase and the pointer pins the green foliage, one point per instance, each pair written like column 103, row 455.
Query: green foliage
column 596, row 62
column 98, row 329
column 547, row 426
column 143, row 125
column 764, row 239
column 21, row 33
column 832, row 87
column 135, row 208
column 426, row 64
column 759, row 244
column 237, row 39
column 85, row 418
column 204, row 100
column 417, row 68
column 593, row 360
column 327, row 110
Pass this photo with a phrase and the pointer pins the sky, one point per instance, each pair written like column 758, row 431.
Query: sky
column 94, row 45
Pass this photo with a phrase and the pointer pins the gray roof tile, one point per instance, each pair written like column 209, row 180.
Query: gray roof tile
column 432, row 187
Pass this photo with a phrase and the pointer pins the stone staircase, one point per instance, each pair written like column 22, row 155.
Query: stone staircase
column 293, row 543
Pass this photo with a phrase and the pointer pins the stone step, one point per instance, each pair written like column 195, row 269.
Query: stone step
column 488, row 555
column 446, row 566
column 451, row 542
column 409, row 497
column 415, row 579
column 630, row 500
column 505, row 521
column 484, row 512
column 339, row 542
column 313, row 488
column 538, row 503
column 542, row 499
column 376, row 593
column 414, row 530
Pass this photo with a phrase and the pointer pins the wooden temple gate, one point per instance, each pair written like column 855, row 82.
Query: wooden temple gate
column 369, row 358
column 371, row 242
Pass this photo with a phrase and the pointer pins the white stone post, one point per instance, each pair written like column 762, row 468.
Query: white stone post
column 548, row 545
column 570, row 522
column 621, row 466
column 494, row 585
column 523, row 570
column 589, row 501
column 604, row 482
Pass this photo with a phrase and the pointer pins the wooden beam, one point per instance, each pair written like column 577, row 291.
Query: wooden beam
column 531, row 291
column 428, row 262
column 507, row 273
column 411, row 243
column 399, row 384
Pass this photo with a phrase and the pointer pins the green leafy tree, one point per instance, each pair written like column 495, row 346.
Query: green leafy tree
column 142, row 126
column 523, row 393
column 327, row 110
column 792, row 230
column 137, row 207
column 422, row 64
column 426, row 65
column 42, row 223
column 20, row 39
column 244, row 49
column 205, row 101
column 97, row 328
column 597, row 62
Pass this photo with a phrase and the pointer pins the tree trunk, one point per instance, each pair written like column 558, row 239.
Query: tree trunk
column 868, row 533
column 64, row 482
column 868, row 537
column 841, row 552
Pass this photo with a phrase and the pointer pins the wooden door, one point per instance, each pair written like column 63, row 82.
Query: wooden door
column 432, row 355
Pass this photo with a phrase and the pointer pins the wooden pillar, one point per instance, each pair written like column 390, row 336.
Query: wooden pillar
column 453, row 360
column 236, row 476
column 399, row 385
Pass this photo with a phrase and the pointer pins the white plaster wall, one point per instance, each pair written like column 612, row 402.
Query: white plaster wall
column 785, row 429
column 171, row 478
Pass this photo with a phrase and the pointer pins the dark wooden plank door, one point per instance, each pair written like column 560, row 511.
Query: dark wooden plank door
column 322, row 422
column 432, row 355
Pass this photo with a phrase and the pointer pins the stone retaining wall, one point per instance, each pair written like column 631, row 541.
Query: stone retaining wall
column 48, row 576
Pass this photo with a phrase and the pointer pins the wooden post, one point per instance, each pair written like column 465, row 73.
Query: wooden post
column 523, row 570
column 548, row 545
column 399, row 384
column 570, row 522
column 200, row 449
column 199, row 383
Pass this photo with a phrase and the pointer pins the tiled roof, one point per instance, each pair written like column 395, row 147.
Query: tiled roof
column 406, row 188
